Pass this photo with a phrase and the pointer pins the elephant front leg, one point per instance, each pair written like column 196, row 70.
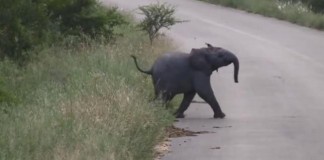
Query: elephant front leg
column 187, row 98
column 204, row 90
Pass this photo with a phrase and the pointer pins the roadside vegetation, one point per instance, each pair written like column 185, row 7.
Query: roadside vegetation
column 72, row 92
column 28, row 24
column 156, row 17
column 308, row 13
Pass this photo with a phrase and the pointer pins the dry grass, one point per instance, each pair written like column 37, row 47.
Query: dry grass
column 83, row 102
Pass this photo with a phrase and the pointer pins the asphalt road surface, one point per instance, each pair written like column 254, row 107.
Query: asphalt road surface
column 276, row 111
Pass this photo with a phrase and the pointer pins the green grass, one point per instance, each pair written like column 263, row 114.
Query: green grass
column 292, row 12
column 85, row 101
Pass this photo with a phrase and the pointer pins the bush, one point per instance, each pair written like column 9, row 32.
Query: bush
column 84, row 17
column 30, row 23
column 291, row 10
column 315, row 5
column 157, row 16
column 23, row 24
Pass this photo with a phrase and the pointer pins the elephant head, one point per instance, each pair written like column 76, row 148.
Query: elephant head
column 211, row 58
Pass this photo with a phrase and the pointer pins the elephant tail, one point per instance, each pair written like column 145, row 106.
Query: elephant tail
column 146, row 72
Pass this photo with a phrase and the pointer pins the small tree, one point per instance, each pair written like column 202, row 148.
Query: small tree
column 157, row 16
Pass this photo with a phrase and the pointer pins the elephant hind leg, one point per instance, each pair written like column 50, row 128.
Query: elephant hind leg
column 187, row 98
column 164, row 97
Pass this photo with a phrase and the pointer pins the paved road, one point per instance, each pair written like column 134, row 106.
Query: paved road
column 276, row 112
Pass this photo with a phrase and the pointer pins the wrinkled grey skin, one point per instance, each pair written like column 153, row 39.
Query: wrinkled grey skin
column 176, row 73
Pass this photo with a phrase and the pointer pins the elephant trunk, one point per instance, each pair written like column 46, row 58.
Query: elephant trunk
column 236, row 68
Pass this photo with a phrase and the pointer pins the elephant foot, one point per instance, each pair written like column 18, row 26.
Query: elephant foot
column 219, row 115
column 180, row 115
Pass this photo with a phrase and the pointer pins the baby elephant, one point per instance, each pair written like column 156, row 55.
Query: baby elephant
column 175, row 73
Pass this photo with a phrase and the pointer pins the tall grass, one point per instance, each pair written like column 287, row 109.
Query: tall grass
column 294, row 12
column 82, row 102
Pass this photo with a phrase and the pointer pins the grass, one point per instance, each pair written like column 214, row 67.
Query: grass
column 293, row 12
column 85, row 101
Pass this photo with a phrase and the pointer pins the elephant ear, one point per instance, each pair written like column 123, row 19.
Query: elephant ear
column 198, row 60
column 209, row 45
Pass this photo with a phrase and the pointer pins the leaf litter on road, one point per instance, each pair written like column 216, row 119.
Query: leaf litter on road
column 174, row 132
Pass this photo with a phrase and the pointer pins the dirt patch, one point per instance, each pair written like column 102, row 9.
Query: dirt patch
column 173, row 132
column 162, row 149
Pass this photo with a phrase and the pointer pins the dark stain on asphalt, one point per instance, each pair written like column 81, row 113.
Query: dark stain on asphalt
column 181, row 132
column 222, row 127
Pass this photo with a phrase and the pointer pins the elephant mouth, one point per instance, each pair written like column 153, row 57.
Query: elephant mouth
column 216, row 67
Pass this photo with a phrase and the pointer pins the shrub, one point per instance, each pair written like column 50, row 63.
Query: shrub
column 23, row 24
column 315, row 5
column 84, row 17
column 30, row 23
column 157, row 16
column 301, row 12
